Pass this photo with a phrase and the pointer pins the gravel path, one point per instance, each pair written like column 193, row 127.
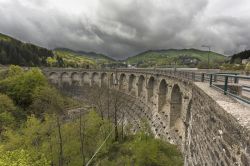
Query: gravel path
column 239, row 110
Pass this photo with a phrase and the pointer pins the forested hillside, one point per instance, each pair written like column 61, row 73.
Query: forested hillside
column 237, row 58
column 13, row 51
column 181, row 58
column 73, row 58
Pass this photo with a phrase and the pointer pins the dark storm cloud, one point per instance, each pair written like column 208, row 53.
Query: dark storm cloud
column 123, row 28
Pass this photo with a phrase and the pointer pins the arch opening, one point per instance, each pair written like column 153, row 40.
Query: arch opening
column 141, row 83
column 85, row 78
column 65, row 79
column 176, row 105
column 76, row 79
column 111, row 80
column 53, row 78
column 122, row 82
column 151, row 85
column 94, row 80
column 104, row 80
column 131, row 83
column 162, row 95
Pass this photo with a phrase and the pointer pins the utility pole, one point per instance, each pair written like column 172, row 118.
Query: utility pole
column 208, row 58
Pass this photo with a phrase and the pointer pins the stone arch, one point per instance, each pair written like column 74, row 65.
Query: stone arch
column 95, row 79
column 141, row 85
column 175, row 105
column 150, row 87
column 162, row 95
column 76, row 79
column 122, row 82
column 85, row 78
column 53, row 78
column 65, row 79
column 104, row 80
column 131, row 83
column 111, row 79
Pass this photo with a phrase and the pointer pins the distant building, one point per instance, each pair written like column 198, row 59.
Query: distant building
column 187, row 60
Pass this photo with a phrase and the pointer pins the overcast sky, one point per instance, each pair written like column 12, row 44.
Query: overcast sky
column 121, row 28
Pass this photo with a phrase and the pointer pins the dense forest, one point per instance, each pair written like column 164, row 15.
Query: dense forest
column 36, row 129
column 13, row 51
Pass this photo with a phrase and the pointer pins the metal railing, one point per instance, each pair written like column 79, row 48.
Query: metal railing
column 232, row 84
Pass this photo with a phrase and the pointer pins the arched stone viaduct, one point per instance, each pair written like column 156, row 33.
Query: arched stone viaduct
column 176, row 110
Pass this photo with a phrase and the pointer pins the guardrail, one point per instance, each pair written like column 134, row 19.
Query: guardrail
column 232, row 84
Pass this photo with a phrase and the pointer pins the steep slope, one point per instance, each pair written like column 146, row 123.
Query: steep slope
column 183, row 58
column 81, row 58
column 13, row 51
column 237, row 58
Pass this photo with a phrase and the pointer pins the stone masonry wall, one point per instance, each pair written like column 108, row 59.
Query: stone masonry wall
column 214, row 137
column 208, row 134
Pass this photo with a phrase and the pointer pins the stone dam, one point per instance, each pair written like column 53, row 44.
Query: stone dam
column 209, row 127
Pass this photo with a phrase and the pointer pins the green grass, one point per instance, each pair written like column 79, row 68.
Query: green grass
column 71, row 58
column 79, row 59
column 4, row 38
column 168, row 57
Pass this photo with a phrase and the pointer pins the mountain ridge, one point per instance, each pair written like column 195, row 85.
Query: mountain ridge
column 181, row 57
column 38, row 56
column 82, row 52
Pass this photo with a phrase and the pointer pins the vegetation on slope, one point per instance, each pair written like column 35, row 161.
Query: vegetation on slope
column 91, row 55
column 235, row 62
column 34, row 131
column 182, row 58
column 13, row 51
column 79, row 59
column 237, row 58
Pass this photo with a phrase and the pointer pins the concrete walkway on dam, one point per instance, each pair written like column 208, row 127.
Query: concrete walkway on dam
column 237, row 109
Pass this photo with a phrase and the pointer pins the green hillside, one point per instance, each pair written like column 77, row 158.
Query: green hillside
column 237, row 58
column 182, row 58
column 13, row 51
column 81, row 59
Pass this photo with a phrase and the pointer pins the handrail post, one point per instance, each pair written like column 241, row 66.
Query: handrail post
column 202, row 77
column 193, row 76
column 236, row 80
column 215, row 78
column 226, row 85
column 211, row 80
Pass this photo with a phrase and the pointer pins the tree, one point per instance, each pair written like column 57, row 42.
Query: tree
column 46, row 99
column 51, row 61
column 6, row 109
column 21, row 87
column 49, row 100
column 15, row 71
column 22, row 158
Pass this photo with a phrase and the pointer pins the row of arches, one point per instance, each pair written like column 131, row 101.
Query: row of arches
column 138, row 87
column 166, row 97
